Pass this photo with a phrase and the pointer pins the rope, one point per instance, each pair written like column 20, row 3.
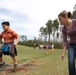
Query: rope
column 38, row 62
column 30, row 64
column 4, row 72
column 5, row 65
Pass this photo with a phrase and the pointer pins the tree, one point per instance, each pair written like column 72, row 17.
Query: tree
column 43, row 32
column 49, row 28
column 23, row 38
column 40, row 38
column 74, row 13
column 55, row 27
column 35, row 40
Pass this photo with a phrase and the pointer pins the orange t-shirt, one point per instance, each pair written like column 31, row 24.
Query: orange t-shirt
column 8, row 36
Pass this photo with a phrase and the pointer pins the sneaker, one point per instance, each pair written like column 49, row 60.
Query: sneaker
column 15, row 66
column 2, row 64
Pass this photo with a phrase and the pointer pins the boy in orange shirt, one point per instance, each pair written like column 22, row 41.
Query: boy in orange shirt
column 10, row 41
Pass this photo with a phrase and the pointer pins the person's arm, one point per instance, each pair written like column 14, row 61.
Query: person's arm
column 0, row 39
column 63, row 53
column 64, row 43
column 16, row 41
column 16, row 36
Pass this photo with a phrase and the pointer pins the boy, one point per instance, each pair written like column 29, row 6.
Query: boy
column 10, row 41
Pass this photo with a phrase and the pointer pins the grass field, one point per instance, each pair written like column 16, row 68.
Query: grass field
column 48, row 64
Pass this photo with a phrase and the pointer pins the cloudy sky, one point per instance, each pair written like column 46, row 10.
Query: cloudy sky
column 27, row 16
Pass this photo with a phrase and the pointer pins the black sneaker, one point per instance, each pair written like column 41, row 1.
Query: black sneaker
column 2, row 64
column 15, row 66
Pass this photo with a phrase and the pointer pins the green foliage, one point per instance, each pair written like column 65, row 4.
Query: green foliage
column 57, row 45
column 49, row 28
column 29, row 43
column 74, row 13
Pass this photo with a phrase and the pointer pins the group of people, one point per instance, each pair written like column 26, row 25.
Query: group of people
column 45, row 46
column 11, row 39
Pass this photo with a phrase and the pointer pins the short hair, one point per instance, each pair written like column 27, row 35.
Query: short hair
column 65, row 13
column 6, row 23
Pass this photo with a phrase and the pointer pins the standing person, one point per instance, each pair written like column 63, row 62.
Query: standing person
column 49, row 49
column 52, row 47
column 11, row 39
column 34, row 45
column 69, row 28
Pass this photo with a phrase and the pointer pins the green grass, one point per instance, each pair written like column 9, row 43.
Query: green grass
column 52, row 64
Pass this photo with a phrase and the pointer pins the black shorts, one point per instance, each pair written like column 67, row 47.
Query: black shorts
column 11, row 51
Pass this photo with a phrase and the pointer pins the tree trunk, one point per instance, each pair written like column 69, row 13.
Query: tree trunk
column 49, row 38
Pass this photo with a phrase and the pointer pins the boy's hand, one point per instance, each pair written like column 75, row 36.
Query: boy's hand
column 15, row 44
